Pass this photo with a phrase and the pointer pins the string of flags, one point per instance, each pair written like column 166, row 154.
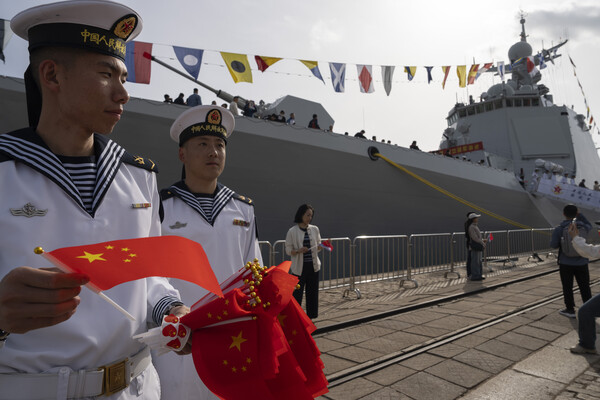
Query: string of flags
column 5, row 35
column 589, row 116
column 240, row 70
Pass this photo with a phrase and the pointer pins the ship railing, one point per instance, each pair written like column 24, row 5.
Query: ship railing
column 407, row 258
column 336, row 266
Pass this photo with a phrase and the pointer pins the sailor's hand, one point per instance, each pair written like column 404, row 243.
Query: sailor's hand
column 180, row 311
column 33, row 298
column 573, row 231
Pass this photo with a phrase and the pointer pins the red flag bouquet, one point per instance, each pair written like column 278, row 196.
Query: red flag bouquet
column 255, row 343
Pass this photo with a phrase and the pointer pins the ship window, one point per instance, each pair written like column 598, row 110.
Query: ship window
column 535, row 102
column 479, row 108
column 518, row 102
column 462, row 112
column 509, row 102
column 471, row 110
column 489, row 106
column 498, row 104
column 527, row 102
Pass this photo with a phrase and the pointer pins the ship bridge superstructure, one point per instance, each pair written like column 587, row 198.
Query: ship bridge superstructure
column 515, row 125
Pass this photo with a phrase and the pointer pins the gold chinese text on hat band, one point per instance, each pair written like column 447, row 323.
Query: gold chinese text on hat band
column 111, row 42
column 211, row 127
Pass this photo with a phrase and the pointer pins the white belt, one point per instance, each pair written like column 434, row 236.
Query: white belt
column 105, row 380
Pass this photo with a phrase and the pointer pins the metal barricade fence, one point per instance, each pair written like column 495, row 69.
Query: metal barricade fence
column 497, row 249
column 459, row 252
column 379, row 257
column 541, row 243
column 376, row 258
column 430, row 253
column 519, row 243
column 335, row 265
column 266, row 250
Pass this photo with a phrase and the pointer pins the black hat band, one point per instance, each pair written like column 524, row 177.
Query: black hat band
column 202, row 129
column 76, row 35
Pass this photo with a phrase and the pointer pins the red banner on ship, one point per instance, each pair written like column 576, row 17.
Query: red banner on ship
column 464, row 148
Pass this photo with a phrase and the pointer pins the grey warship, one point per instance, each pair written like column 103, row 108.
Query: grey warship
column 513, row 127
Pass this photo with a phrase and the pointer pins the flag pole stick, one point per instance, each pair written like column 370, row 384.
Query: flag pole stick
column 64, row 268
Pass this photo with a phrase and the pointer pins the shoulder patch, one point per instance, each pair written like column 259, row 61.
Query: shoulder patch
column 141, row 162
column 166, row 194
column 244, row 199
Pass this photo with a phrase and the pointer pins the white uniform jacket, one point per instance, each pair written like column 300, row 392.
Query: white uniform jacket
column 40, row 206
column 229, row 242
column 294, row 240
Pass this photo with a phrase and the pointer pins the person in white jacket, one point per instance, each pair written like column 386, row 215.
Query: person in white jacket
column 302, row 244
column 590, row 310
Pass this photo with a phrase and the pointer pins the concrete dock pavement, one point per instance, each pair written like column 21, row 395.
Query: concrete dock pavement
column 513, row 344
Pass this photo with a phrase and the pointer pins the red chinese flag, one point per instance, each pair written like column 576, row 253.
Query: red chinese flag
column 111, row 263
column 297, row 328
column 226, row 358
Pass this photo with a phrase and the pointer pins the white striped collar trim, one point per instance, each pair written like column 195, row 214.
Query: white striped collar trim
column 24, row 148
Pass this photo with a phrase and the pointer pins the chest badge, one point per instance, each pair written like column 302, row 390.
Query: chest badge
column 141, row 205
column 241, row 222
column 178, row 225
column 28, row 210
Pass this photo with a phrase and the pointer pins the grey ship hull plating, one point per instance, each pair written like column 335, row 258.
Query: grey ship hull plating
column 280, row 167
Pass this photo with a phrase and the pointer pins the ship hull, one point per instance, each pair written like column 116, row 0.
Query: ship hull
column 281, row 167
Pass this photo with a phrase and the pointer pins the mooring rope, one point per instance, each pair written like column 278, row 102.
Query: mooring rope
column 453, row 196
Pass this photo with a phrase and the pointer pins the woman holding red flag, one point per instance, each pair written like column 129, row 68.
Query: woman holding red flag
column 302, row 244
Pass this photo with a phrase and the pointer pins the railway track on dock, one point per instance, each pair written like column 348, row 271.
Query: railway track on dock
column 372, row 365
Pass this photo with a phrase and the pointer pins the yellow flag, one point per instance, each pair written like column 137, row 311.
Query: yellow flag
column 238, row 67
column 265, row 62
column 461, row 71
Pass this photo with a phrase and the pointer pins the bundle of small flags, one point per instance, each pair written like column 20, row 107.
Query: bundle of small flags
column 256, row 336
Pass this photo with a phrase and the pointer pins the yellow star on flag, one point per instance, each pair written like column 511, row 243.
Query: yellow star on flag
column 109, row 247
column 281, row 318
column 236, row 341
column 92, row 257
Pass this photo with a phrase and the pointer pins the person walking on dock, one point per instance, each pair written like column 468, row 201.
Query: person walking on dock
column 571, row 264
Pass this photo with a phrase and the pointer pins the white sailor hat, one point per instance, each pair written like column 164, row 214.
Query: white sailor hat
column 97, row 25
column 207, row 120
column 473, row 215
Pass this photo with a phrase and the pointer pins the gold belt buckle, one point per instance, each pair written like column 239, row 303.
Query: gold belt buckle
column 114, row 378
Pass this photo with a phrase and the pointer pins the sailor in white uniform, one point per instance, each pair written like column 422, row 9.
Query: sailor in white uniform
column 202, row 209
column 66, row 184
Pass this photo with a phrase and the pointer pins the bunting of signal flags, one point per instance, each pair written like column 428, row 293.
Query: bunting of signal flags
column 241, row 71
column 591, row 117
column 365, row 78
column 5, row 35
